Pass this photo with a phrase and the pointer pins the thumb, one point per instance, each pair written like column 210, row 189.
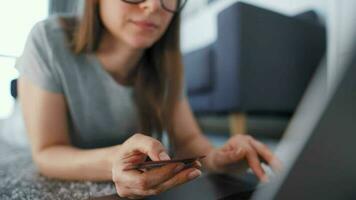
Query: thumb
column 147, row 145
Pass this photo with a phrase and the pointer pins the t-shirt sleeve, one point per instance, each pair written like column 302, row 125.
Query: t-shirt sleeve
column 37, row 61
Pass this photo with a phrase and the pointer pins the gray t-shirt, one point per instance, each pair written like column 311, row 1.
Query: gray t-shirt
column 101, row 111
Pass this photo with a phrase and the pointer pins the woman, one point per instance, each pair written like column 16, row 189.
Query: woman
column 95, row 92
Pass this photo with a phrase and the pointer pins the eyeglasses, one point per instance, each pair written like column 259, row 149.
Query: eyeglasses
column 173, row 6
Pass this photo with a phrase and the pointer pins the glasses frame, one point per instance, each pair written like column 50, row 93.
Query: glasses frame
column 162, row 5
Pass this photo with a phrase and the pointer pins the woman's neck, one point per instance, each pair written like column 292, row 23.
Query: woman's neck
column 116, row 58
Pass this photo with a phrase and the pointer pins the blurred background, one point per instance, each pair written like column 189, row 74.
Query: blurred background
column 247, row 63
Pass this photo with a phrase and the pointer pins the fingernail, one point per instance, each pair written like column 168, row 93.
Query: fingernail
column 164, row 156
column 198, row 164
column 178, row 168
column 194, row 174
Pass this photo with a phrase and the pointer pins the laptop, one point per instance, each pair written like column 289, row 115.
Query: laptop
column 320, row 143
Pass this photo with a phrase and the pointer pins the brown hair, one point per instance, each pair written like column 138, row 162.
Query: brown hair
column 157, row 80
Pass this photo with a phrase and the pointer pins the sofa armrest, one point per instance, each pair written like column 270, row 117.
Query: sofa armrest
column 198, row 70
column 275, row 56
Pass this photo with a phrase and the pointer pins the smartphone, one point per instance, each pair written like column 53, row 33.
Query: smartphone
column 188, row 162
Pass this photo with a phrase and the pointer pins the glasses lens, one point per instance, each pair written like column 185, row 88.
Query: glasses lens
column 173, row 5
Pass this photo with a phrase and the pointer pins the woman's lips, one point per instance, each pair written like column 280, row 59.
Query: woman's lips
column 145, row 24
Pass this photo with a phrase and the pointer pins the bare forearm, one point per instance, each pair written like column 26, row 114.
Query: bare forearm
column 196, row 146
column 70, row 163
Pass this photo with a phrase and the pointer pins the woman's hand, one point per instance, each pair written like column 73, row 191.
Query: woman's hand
column 239, row 148
column 138, row 184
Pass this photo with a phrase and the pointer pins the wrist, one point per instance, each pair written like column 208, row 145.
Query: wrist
column 111, row 156
column 208, row 162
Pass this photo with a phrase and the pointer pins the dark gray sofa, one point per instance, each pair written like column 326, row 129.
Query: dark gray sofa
column 260, row 64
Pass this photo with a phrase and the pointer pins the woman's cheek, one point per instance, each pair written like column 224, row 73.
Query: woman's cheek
column 165, row 25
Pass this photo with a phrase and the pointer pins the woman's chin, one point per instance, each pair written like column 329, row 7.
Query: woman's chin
column 141, row 44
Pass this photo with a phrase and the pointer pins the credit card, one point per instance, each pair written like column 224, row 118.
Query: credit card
column 154, row 164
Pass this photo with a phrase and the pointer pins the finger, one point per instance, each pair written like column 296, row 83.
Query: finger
column 136, row 158
column 255, row 165
column 227, row 148
column 179, row 179
column 132, row 154
column 267, row 155
column 197, row 164
column 147, row 145
column 224, row 158
column 149, row 179
column 157, row 176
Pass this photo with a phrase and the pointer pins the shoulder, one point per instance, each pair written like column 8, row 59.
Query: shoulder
column 48, row 46
column 50, row 33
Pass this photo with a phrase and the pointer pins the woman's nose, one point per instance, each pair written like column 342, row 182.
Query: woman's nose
column 151, row 5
